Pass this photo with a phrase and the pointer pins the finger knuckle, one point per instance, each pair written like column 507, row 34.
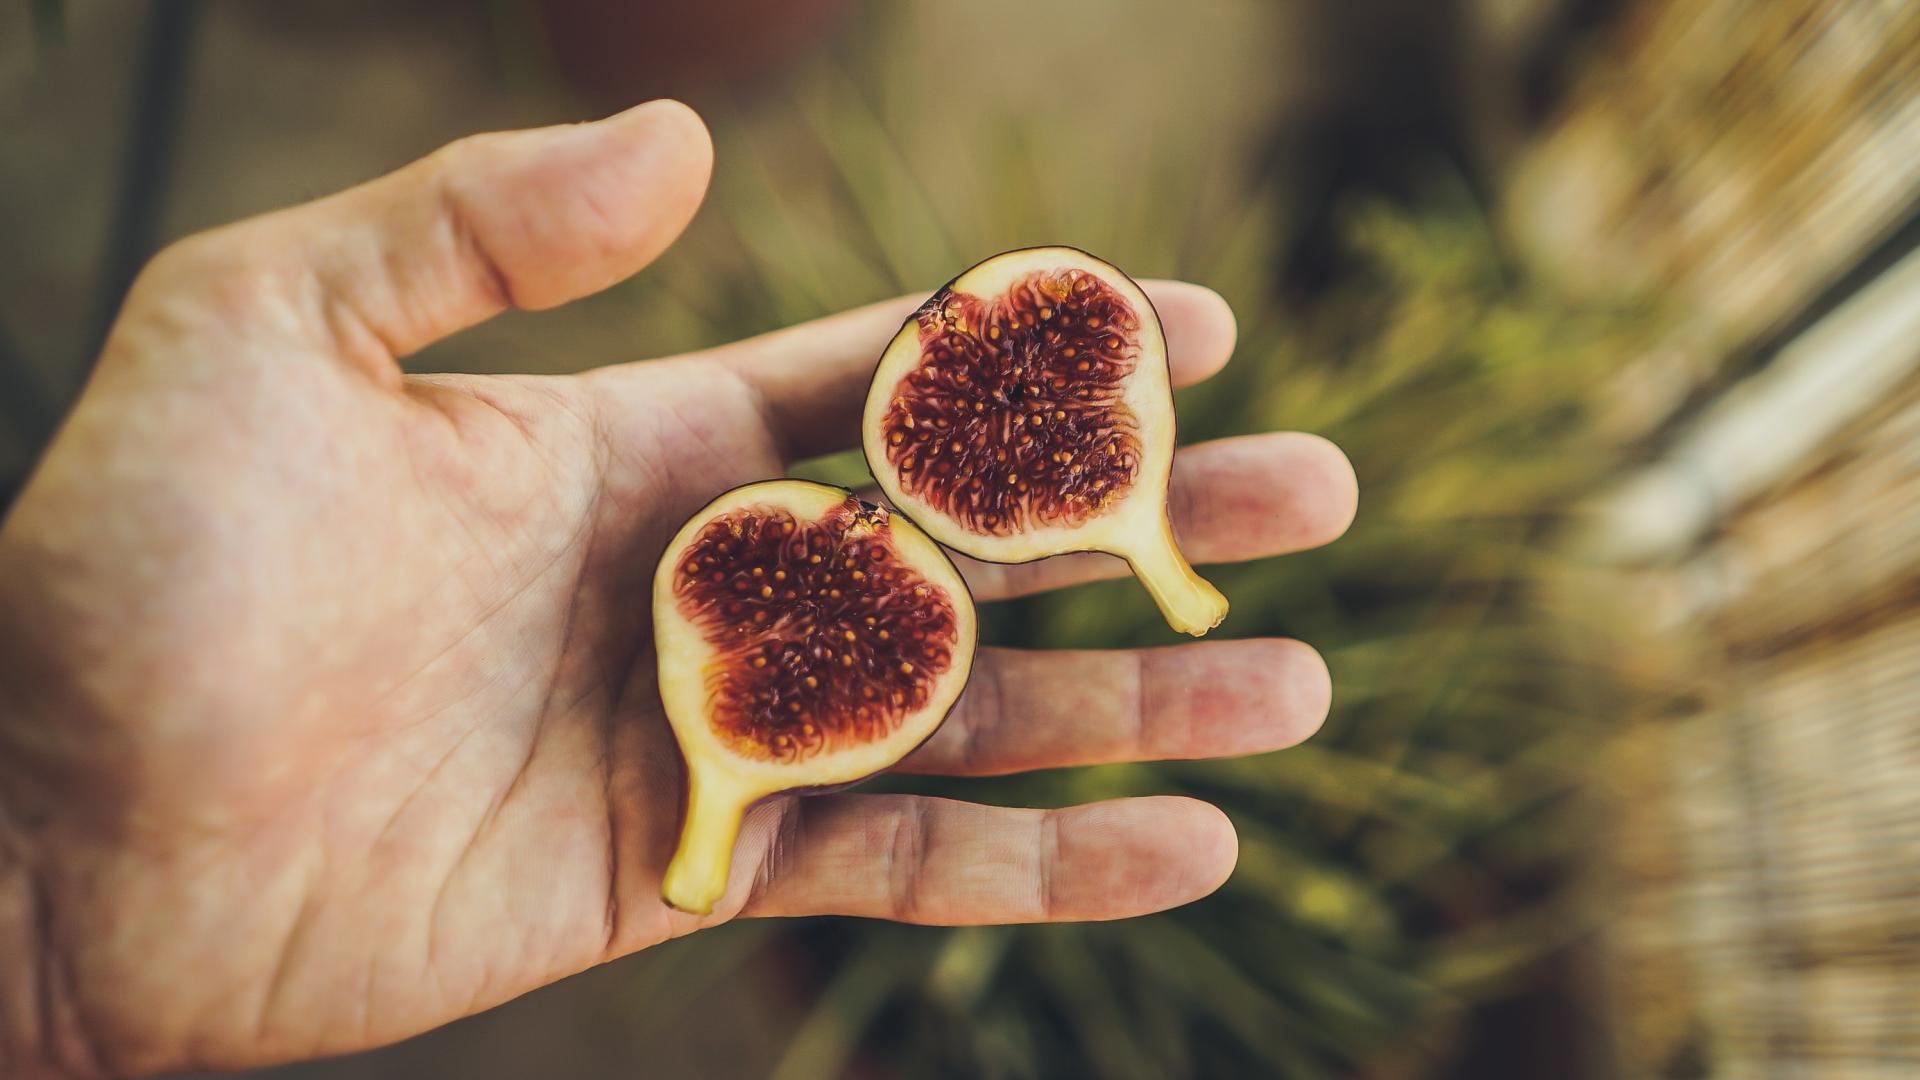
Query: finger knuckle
column 906, row 861
column 220, row 274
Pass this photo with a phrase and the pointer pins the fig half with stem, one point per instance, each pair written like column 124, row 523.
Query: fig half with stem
column 1026, row 410
column 806, row 640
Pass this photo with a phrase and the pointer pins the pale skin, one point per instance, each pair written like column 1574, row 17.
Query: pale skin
column 327, row 708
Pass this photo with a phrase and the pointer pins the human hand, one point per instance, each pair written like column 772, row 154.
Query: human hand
column 327, row 706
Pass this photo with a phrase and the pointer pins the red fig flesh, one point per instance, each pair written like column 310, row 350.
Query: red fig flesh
column 1025, row 410
column 806, row 639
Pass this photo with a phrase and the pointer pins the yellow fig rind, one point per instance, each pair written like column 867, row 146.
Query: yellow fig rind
column 722, row 783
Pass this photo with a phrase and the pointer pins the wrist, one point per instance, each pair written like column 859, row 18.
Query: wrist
column 41, row 1036
column 28, row 1005
column 21, row 959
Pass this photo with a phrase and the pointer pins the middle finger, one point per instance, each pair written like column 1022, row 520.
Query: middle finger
column 1028, row 710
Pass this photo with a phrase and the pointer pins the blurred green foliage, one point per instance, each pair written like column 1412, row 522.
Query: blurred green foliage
column 1414, row 854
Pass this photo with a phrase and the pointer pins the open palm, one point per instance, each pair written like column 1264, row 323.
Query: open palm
column 327, row 710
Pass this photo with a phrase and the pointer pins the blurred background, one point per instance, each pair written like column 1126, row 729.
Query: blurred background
column 1614, row 303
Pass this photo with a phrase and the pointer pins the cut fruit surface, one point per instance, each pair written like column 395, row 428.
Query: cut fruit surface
column 1025, row 410
column 806, row 639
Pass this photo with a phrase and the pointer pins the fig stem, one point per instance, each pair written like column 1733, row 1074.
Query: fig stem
column 1189, row 603
column 697, row 876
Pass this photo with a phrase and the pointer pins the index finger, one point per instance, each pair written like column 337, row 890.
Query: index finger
column 811, row 379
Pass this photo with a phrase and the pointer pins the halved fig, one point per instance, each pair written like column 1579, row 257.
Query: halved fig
column 1025, row 410
column 806, row 639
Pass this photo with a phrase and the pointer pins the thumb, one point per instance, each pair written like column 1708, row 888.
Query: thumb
column 530, row 218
